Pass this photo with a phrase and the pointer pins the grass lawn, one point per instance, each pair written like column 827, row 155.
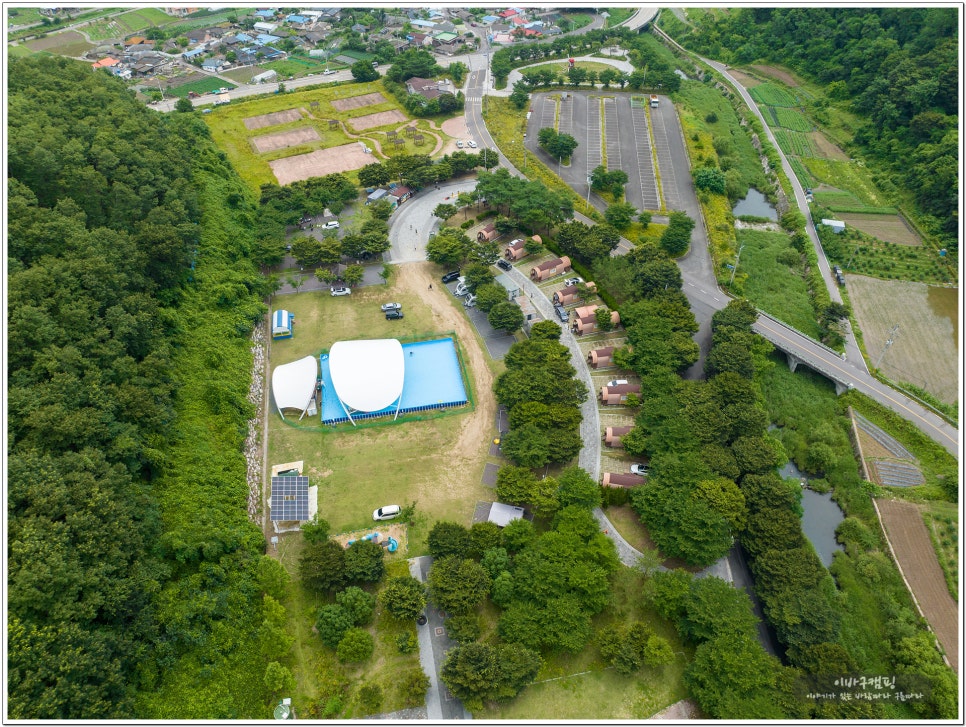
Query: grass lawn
column 773, row 286
column 618, row 16
column 23, row 16
column 203, row 86
column 296, row 66
column 229, row 131
column 581, row 687
column 18, row 51
column 561, row 67
column 359, row 469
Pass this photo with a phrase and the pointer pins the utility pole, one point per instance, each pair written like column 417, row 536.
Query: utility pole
column 735, row 268
column 889, row 341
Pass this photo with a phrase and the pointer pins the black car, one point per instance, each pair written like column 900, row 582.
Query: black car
column 562, row 313
column 451, row 276
column 393, row 314
column 504, row 264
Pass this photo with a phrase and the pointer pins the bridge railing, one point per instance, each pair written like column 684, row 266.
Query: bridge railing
column 837, row 354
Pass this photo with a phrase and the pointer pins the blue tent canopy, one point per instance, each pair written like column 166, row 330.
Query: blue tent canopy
column 282, row 324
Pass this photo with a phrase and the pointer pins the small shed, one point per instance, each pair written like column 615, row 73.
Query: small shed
column 557, row 266
column 502, row 515
column 512, row 289
column 264, row 77
column 283, row 325
column 568, row 295
column 617, row 395
column 600, row 357
column 530, row 315
column 620, row 479
column 401, row 193
column 612, row 436
column 516, row 249
column 488, row 233
column 837, row 226
column 376, row 195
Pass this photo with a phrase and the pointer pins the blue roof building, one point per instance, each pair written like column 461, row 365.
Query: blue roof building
column 265, row 39
column 489, row 19
column 194, row 53
column 244, row 37
column 265, row 13
column 423, row 24
column 282, row 324
column 296, row 19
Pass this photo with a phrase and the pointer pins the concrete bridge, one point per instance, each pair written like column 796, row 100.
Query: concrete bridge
column 644, row 15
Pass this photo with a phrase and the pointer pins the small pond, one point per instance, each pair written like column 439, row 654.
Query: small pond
column 755, row 204
column 820, row 517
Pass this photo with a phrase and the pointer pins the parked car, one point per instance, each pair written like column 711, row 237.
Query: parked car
column 459, row 143
column 573, row 281
column 461, row 290
column 340, row 290
column 387, row 512
column 639, row 469
column 504, row 264
column 392, row 315
column 471, row 144
column 331, row 225
column 562, row 313
column 386, row 307
column 616, row 382
column 328, row 72
column 470, row 301
column 451, row 276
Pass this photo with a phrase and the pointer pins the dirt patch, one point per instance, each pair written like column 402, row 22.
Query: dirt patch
column 273, row 119
column 784, row 76
column 476, row 427
column 825, row 148
column 745, row 80
column 685, row 709
column 872, row 449
column 923, row 351
column 357, row 102
column 383, row 118
column 457, row 128
column 285, row 139
column 888, row 228
column 319, row 163
column 914, row 553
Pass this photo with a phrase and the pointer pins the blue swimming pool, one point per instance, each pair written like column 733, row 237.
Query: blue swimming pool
column 433, row 380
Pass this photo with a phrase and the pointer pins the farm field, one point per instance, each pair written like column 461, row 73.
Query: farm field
column 888, row 228
column 773, row 95
column 70, row 43
column 790, row 119
column 838, row 200
column 793, row 142
column 844, row 175
column 437, row 462
column 924, row 352
column 914, row 553
column 295, row 66
column 942, row 520
column 203, row 84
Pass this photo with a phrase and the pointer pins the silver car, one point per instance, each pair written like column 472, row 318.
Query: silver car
column 387, row 512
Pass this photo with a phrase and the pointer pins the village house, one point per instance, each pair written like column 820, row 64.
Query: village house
column 557, row 266
column 427, row 87
column 516, row 250
column 400, row 194
column 105, row 63
column 615, row 479
column 617, row 395
column 585, row 320
column 568, row 295
column 488, row 233
column 612, row 436
column 600, row 357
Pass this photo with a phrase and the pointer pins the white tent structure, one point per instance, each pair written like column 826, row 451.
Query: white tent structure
column 293, row 386
column 367, row 375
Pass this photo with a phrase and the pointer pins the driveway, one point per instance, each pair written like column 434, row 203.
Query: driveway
column 433, row 645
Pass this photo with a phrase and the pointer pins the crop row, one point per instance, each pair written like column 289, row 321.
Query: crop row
column 773, row 95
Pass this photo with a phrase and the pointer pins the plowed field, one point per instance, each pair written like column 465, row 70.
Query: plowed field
column 914, row 552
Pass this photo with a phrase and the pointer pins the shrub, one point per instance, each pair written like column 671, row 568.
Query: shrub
column 464, row 628
column 407, row 642
column 356, row 646
column 358, row 604
column 332, row 624
column 370, row 697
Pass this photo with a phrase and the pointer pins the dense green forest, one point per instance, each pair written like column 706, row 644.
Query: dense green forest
column 137, row 587
column 896, row 67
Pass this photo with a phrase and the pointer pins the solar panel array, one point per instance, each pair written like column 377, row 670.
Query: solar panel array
column 290, row 498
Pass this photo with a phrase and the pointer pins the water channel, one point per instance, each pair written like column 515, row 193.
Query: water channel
column 821, row 515
column 755, row 204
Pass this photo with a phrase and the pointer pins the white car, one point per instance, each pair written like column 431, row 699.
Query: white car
column 639, row 469
column 616, row 382
column 573, row 281
column 340, row 290
column 387, row 512
column 327, row 72
column 471, row 144
column 331, row 225
column 386, row 307
column 459, row 143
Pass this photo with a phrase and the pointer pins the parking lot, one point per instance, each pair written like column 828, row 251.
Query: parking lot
column 497, row 342
column 627, row 125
